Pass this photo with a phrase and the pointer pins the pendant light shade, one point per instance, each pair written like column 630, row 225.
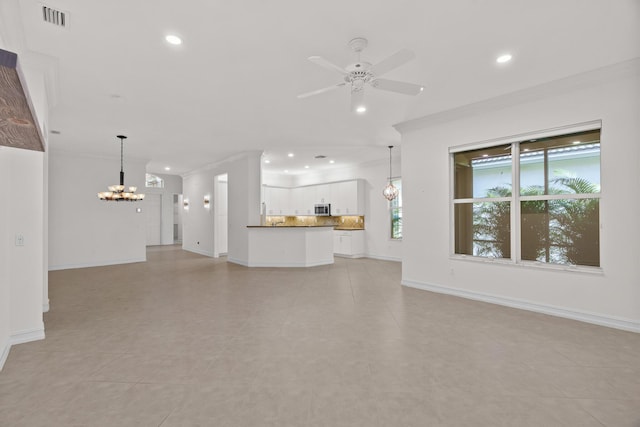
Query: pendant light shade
column 390, row 192
column 117, row 193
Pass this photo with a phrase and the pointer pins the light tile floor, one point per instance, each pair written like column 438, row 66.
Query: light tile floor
column 185, row 340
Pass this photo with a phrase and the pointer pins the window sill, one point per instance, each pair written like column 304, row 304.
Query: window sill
column 529, row 264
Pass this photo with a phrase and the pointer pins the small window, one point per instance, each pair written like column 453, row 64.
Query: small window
column 554, row 211
column 396, row 211
column 154, row 181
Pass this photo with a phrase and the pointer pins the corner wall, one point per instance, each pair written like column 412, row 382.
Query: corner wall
column 610, row 297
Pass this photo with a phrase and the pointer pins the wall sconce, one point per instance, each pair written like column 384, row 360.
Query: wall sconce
column 185, row 203
column 206, row 201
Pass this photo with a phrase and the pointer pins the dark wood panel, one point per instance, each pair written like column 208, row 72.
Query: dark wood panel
column 18, row 127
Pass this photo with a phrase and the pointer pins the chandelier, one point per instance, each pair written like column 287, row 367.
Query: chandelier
column 117, row 192
column 390, row 192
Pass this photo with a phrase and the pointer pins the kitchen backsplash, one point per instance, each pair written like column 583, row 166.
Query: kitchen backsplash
column 344, row 221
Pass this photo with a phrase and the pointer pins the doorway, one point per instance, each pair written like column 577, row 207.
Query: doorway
column 221, row 217
column 177, row 218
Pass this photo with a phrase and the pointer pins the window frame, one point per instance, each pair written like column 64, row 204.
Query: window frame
column 516, row 198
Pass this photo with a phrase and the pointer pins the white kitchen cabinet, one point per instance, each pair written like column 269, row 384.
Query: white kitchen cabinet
column 302, row 200
column 322, row 193
column 347, row 197
column 278, row 201
column 348, row 243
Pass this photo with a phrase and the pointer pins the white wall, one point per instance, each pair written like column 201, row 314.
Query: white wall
column 23, row 281
column 83, row 230
column 172, row 185
column 243, row 205
column 611, row 297
column 21, row 268
column 221, row 211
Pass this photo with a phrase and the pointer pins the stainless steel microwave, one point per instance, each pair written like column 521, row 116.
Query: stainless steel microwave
column 323, row 209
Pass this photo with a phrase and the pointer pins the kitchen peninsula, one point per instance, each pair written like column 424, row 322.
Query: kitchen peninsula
column 290, row 246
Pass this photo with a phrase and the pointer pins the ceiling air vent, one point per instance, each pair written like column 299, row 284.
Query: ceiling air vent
column 55, row 17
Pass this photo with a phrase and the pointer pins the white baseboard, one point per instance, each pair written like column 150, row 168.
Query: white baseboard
column 596, row 319
column 199, row 252
column 349, row 256
column 96, row 264
column 238, row 261
column 20, row 337
column 5, row 354
column 384, row 258
column 45, row 306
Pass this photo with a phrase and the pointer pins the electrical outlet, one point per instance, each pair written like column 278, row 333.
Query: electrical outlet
column 19, row 240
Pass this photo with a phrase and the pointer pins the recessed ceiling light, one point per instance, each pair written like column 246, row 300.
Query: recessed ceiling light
column 332, row 161
column 306, row 166
column 421, row 88
column 167, row 168
column 267, row 161
column 290, row 155
column 286, row 171
column 361, row 109
column 503, row 58
column 173, row 39
column 576, row 142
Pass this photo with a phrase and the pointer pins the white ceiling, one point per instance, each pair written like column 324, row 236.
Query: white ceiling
column 232, row 85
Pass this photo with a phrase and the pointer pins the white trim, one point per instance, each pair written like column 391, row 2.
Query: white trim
column 556, row 131
column 96, row 264
column 199, row 252
column 591, row 78
column 349, row 255
column 27, row 335
column 20, row 337
column 5, row 354
column 594, row 318
column 291, row 264
column 45, row 306
column 384, row 257
column 238, row 261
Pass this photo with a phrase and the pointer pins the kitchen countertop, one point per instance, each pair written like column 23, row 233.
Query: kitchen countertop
column 289, row 226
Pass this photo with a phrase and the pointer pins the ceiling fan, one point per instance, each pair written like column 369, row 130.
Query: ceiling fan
column 362, row 73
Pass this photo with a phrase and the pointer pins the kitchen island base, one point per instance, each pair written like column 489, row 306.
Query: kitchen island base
column 290, row 246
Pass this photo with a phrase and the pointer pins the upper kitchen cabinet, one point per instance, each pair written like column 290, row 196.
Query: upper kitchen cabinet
column 347, row 198
column 302, row 200
column 278, row 201
column 322, row 193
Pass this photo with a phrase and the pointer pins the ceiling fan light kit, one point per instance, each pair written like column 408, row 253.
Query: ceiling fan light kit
column 361, row 73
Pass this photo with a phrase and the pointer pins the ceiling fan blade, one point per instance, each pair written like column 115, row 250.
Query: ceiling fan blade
column 396, row 86
column 316, row 92
column 394, row 61
column 326, row 64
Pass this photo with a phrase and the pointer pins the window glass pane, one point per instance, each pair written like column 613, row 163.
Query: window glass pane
column 483, row 229
column 566, row 164
column 561, row 231
column 483, row 173
column 397, row 202
column 154, row 181
column 396, row 223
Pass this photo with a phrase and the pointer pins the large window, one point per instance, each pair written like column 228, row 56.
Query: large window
column 396, row 211
column 552, row 217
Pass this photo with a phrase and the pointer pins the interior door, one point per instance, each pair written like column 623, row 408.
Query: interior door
column 153, row 206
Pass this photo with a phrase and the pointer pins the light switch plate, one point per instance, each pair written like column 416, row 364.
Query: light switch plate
column 19, row 240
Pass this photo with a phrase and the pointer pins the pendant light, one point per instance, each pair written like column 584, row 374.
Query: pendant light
column 390, row 192
column 116, row 192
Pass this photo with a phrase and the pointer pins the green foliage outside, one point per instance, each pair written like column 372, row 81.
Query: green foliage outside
column 563, row 231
